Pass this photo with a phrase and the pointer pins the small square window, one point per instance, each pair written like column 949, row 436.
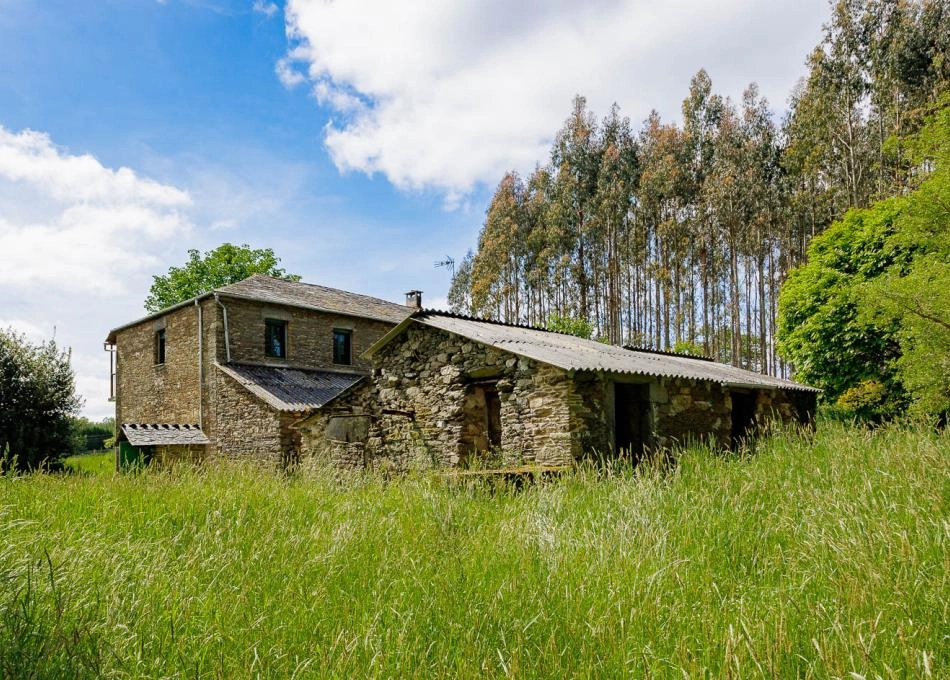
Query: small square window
column 341, row 346
column 160, row 346
column 275, row 338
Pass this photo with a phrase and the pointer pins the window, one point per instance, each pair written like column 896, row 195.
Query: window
column 341, row 346
column 160, row 346
column 275, row 338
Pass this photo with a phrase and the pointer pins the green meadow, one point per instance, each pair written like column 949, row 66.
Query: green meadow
column 821, row 556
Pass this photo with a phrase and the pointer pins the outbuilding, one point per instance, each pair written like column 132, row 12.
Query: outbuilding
column 447, row 390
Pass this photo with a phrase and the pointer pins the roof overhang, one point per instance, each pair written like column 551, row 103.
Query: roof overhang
column 163, row 434
column 110, row 339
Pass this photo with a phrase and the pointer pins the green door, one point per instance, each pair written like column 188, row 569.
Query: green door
column 131, row 456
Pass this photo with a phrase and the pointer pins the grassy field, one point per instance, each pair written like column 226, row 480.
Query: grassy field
column 810, row 559
column 98, row 463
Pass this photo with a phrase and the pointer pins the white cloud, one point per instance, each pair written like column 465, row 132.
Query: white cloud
column 289, row 76
column 268, row 9
column 447, row 94
column 67, row 220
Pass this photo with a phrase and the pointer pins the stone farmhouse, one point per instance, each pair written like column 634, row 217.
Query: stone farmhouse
column 273, row 370
column 228, row 373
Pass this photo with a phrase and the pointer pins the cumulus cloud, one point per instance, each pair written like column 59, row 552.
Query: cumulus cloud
column 447, row 94
column 67, row 220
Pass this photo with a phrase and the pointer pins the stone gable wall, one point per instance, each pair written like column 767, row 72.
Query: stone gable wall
column 147, row 392
column 309, row 335
column 424, row 393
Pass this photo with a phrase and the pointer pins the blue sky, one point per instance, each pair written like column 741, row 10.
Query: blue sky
column 360, row 139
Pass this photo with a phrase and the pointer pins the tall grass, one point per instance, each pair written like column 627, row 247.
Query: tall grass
column 812, row 558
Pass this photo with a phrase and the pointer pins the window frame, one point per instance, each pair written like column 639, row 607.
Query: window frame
column 348, row 334
column 283, row 326
column 160, row 340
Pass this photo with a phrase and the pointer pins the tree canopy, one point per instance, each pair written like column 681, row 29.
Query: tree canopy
column 867, row 318
column 204, row 272
column 37, row 400
column 681, row 233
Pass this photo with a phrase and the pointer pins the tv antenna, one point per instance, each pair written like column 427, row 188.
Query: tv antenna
column 447, row 263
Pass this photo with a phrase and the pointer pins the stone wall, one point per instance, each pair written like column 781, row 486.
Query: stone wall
column 786, row 406
column 424, row 406
column 424, row 397
column 309, row 335
column 244, row 427
column 147, row 392
column 690, row 410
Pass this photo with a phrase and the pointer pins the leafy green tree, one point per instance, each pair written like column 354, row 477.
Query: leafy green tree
column 202, row 273
column 89, row 435
column 37, row 400
column 460, row 297
column 918, row 294
column 868, row 317
column 821, row 329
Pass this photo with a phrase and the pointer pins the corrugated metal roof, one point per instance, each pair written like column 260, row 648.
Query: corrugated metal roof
column 577, row 354
column 295, row 294
column 291, row 389
column 311, row 296
column 153, row 434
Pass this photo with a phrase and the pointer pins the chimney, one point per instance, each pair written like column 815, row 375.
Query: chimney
column 414, row 299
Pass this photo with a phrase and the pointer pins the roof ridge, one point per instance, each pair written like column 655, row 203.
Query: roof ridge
column 310, row 285
column 630, row 348
column 497, row 322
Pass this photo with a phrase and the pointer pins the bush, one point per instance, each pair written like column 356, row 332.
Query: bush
column 37, row 400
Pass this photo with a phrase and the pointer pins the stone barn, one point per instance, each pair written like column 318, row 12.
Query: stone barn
column 447, row 390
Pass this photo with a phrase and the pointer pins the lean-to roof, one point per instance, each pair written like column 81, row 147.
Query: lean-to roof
column 291, row 389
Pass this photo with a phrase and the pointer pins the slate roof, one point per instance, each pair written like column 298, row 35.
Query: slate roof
column 151, row 434
column 295, row 294
column 577, row 354
column 291, row 389
column 312, row 296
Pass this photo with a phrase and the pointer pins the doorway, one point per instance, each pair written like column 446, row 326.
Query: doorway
column 743, row 416
column 631, row 420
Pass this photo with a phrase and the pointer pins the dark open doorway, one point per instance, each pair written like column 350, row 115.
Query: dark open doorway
column 743, row 416
column 631, row 420
column 481, row 430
